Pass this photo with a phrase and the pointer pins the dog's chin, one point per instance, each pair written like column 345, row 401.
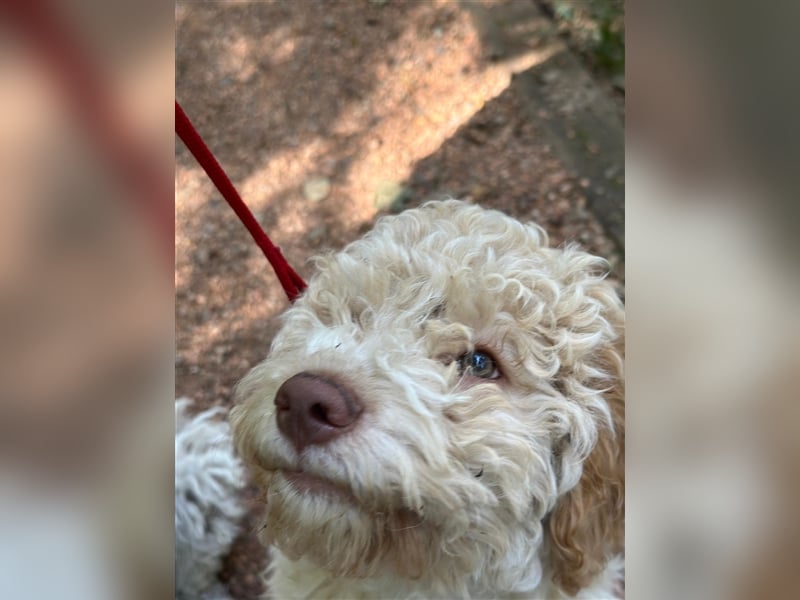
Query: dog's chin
column 311, row 517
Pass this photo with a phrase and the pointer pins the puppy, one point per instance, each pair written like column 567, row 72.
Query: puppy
column 209, row 480
column 441, row 415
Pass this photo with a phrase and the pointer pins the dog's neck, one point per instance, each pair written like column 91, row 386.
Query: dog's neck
column 303, row 579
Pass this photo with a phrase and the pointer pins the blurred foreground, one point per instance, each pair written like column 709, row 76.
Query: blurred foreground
column 86, row 417
column 712, row 295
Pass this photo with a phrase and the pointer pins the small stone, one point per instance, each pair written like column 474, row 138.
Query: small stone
column 202, row 255
column 550, row 76
column 478, row 192
column 391, row 195
column 317, row 189
column 316, row 235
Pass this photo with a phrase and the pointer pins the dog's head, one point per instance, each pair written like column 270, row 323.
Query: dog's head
column 445, row 402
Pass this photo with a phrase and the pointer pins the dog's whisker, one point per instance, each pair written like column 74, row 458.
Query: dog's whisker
column 406, row 528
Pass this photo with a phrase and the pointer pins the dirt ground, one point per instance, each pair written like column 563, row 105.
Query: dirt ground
column 327, row 116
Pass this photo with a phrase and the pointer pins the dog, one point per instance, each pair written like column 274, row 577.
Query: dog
column 209, row 480
column 441, row 415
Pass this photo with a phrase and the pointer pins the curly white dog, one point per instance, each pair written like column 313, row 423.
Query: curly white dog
column 208, row 505
column 442, row 415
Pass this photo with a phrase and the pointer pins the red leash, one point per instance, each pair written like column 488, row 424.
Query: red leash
column 292, row 283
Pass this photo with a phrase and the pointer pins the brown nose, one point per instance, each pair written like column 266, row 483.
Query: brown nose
column 314, row 409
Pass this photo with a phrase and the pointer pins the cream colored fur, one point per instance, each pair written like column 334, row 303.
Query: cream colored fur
column 450, row 485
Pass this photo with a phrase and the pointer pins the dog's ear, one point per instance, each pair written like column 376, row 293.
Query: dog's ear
column 586, row 527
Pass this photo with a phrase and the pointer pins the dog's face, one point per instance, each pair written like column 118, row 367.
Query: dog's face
column 444, row 402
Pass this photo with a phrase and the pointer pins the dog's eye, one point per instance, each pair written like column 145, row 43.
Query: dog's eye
column 479, row 364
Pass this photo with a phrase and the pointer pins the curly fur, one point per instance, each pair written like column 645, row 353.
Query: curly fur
column 208, row 506
column 449, row 485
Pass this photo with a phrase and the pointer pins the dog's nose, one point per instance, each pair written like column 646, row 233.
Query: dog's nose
column 314, row 409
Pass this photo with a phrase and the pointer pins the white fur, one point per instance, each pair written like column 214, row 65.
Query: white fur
column 208, row 505
column 447, row 479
